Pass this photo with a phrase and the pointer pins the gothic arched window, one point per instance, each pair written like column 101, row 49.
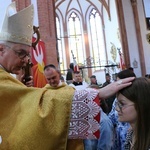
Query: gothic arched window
column 59, row 46
column 76, row 38
column 97, row 39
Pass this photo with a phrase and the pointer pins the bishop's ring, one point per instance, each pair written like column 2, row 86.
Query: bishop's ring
column 119, row 82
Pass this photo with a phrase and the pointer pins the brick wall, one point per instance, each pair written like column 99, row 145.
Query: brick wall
column 46, row 16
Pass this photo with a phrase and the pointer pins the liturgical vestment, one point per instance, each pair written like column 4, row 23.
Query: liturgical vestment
column 33, row 118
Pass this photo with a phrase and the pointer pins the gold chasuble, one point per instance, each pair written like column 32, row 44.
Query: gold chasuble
column 33, row 118
column 41, row 118
column 72, row 144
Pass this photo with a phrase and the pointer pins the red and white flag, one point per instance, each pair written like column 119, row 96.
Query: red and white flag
column 39, row 61
column 76, row 66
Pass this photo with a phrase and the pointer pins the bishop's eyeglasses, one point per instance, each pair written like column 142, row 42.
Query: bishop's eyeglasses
column 21, row 53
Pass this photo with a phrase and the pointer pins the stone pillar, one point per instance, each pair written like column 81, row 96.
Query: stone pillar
column 123, row 32
column 139, row 37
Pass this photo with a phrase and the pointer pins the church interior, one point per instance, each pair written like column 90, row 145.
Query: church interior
column 100, row 36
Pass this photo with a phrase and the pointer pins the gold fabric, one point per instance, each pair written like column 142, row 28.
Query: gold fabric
column 33, row 118
column 75, row 144
column 72, row 144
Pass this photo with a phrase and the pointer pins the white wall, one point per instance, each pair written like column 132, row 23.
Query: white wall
column 131, row 35
column 111, row 29
column 144, row 31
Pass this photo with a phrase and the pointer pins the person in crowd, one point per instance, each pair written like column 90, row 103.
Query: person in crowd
column 49, row 66
column 84, row 83
column 77, row 80
column 108, row 79
column 120, row 128
column 105, row 142
column 31, row 118
column 110, row 100
column 95, row 85
column 62, row 79
column 133, row 107
column 147, row 76
column 52, row 76
column 69, row 75
column 93, row 80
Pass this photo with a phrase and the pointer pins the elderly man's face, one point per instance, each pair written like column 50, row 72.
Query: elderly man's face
column 52, row 76
column 13, row 57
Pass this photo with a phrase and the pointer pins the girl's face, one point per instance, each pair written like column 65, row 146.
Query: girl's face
column 126, row 110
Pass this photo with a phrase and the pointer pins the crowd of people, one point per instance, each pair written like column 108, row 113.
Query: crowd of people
column 115, row 133
column 119, row 127
column 53, row 117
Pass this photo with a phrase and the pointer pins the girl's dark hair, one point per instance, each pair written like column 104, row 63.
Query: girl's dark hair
column 125, row 73
column 139, row 93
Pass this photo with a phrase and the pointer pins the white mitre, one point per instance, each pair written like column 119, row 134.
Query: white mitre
column 18, row 26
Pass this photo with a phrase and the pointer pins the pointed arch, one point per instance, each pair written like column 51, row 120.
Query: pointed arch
column 96, row 37
column 60, row 45
column 75, row 35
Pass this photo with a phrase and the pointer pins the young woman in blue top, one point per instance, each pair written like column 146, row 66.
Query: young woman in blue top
column 133, row 106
